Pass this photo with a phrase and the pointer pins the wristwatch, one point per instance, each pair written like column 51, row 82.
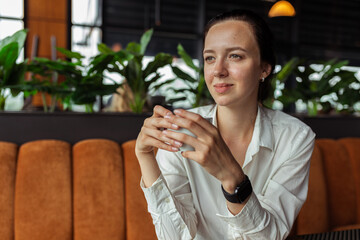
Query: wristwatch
column 242, row 191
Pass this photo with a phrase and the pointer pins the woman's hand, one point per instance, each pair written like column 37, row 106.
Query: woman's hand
column 151, row 135
column 211, row 151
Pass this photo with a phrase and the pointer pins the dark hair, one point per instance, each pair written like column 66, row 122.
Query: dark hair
column 263, row 36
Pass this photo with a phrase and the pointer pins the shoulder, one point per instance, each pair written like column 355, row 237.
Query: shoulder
column 287, row 129
column 281, row 121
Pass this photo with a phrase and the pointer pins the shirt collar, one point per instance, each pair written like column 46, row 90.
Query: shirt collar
column 266, row 136
column 263, row 134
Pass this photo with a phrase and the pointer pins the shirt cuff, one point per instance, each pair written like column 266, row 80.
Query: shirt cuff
column 251, row 217
column 158, row 196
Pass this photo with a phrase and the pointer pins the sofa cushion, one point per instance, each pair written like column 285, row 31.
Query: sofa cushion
column 352, row 145
column 139, row 221
column 314, row 215
column 98, row 190
column 43, row 198
column 340, row 183
column 8, row 154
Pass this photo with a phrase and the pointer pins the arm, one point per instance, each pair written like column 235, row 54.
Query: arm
column 270, row 214
column 173, row 218
column 170, row 200
column 149, row 138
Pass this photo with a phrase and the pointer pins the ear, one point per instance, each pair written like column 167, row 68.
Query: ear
column 266, row 70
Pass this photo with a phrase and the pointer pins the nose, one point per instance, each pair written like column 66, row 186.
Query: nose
column 220, row 69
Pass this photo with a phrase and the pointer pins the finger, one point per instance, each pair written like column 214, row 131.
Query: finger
column 160, row 111
column 160, row 144
column 193, row 126
column 205, row 123
column 182, row 138
column 159, row 123
column 159, row 135
column 189, row 155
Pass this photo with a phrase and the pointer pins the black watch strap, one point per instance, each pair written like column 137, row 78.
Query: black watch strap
column 242, row 191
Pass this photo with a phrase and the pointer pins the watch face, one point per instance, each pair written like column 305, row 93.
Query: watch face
column 242, row 192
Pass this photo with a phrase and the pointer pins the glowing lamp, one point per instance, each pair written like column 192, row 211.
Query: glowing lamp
column 282, row 9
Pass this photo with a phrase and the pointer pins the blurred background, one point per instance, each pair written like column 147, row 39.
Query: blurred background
column 313, row 31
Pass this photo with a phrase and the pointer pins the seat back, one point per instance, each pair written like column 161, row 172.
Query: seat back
column 139, row 221
column 334, row 187
column 51, row 190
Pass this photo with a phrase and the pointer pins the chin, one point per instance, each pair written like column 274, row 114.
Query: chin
column 223, row 102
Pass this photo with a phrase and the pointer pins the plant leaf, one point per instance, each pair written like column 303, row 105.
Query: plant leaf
column 178, row 99
column 186, row 57
column 145, row 39
column 103, row 48
column 159, row 85
column 19, row 37
column 160, row 60
column 183, row 75
column 331, row 70
column 70, row 54
column 8, row 56
column 133, row 47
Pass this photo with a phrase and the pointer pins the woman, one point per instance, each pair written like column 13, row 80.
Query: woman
column 247, row 176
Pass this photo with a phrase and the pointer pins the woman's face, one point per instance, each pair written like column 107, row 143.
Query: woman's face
column 232, row 64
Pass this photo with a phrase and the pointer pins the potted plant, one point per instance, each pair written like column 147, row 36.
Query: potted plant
column 194, row 86
column 138, row 77
column 319, row 87
column 11, row 72
column 82, row 83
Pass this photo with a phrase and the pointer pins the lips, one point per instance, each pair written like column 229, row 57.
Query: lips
column 222, row 87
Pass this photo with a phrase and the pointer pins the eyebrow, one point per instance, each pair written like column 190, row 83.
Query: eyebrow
column 227, row 49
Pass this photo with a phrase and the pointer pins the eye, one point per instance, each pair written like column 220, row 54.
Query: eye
column 209, row 58
column 235, row 56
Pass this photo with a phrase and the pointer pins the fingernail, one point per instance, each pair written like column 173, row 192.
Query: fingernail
column 165, row 132
column 175, row 149
column 178, row 143
column 174, row 126
column 167, row 116
column 177, row 111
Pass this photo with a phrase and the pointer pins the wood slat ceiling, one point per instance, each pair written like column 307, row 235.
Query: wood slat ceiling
column 322, row 28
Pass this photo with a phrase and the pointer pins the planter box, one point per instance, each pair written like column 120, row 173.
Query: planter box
column 334, row 126
column 21, row 127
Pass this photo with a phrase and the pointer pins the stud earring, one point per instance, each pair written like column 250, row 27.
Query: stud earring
column 262, row 80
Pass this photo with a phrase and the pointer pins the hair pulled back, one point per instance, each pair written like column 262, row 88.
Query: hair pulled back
column 263, row 36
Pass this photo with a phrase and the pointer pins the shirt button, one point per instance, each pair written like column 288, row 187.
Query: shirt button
column 159, row 188
column 182, row 226
column 167, row 200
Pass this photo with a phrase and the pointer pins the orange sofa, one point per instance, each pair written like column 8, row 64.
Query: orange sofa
column 50, row 189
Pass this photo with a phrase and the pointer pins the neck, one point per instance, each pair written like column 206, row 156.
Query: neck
column 237, row 123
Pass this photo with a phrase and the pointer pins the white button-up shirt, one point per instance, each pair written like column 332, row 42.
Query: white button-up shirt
column 186, row 202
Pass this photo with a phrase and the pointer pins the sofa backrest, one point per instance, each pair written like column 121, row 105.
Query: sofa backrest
column 333, row 201
column 50, row 189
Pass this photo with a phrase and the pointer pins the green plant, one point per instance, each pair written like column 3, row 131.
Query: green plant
column 140, row 78
column 320, row 84
column 278, row 80
column 11, row 73
column 195, row 86
column 82, row 85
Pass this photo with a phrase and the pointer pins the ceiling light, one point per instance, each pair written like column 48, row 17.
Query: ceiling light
column 282, row 9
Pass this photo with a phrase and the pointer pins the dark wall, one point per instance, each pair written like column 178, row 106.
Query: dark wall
column 21, row 127
column 322, row 29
